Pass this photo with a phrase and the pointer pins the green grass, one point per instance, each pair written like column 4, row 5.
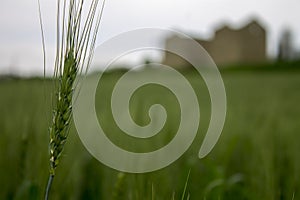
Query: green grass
column 257, row 156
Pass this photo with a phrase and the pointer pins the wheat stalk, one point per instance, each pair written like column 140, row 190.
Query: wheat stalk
column 76, row 36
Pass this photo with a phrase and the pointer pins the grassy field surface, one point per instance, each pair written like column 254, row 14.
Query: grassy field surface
column 257, row 156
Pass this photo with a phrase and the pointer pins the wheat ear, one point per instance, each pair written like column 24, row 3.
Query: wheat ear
column 76, row 36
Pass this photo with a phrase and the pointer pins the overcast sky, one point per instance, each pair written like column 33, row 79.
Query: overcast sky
column 21, row 52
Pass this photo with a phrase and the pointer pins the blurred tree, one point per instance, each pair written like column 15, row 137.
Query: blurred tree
column 286, row 51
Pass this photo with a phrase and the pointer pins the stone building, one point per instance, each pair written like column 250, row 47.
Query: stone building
column 246, row 45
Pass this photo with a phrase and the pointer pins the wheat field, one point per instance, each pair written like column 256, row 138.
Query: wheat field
column 257, row 156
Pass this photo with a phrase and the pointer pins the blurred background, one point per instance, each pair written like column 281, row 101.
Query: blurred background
column 20, row 39
column 256, row 46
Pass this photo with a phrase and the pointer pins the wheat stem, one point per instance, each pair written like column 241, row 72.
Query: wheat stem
column 50, row 180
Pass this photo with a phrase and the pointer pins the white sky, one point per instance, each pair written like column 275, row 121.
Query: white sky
column 21, row 50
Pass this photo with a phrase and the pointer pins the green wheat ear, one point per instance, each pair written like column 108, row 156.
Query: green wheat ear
column 76, row 36
column 62, row 111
